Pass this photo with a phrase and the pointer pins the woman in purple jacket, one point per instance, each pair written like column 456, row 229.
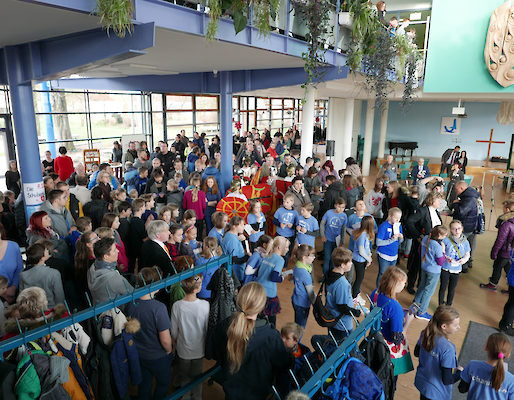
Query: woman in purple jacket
column 500, row 252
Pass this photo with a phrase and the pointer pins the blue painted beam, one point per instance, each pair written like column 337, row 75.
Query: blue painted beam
column 84, row 6
column 202, row 82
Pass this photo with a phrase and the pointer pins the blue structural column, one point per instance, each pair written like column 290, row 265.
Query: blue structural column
column 19, row 69
column 46, row 105
column 227, row 143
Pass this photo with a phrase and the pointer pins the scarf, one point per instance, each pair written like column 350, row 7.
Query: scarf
column 306, row 267
column 101, row 264
column 458, row 240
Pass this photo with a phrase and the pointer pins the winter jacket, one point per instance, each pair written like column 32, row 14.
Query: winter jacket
column 354, row 170
column 466, row 210
column 96, row 209
column 311, row 182
column 74, row 207
column 62, row 220
column 222, row 297
column 46, row 278
column 212, row 171
column 61, row 248
column 299, row 198
column 334, row 191
column 99, row 279
column 176, row 197
column 503, row 243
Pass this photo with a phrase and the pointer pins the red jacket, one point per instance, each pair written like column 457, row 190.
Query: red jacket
column 63, row 166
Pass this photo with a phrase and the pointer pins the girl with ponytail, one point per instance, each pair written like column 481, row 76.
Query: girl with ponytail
column 489, row 379
column 435, row 375
column 195, row 199
column 250, row 350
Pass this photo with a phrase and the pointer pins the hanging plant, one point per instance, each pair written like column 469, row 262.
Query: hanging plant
column 410, row 80
column 239, row 10
column 115, row 15
column 316, row 14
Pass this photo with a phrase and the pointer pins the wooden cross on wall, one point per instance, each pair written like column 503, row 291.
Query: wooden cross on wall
column 490, row 141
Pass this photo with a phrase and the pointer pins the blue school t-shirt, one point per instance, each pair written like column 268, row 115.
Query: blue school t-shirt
column 215, row 233
column 478, row 375
column 335, row 224
column 340, row 292
column 354, row 222
column 268, row 265
column 392, row 315
column 362, row 240
column 430, row 255
column 455, row 251
column 429, row 375
column 206, row 276
column 284, row 216
column 232, row 245
column 388, row 248
column 252, row 219
column 311, row 225
column 301, row 278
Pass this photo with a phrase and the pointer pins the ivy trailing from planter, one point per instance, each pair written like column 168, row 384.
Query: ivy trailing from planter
column 316, row 14
column 239, row 10
column 115, row 15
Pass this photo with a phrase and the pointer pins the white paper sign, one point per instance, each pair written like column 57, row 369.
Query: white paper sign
column 396, row 228
column 34, row 193
column 450, row 126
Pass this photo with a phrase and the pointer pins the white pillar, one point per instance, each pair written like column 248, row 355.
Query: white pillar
column 308, row 125
column 383, row 130
column 349, row 105
column 357, row 112
column 368, row 137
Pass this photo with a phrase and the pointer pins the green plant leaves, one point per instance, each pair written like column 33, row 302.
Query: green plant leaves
column 240, row 21
column 115, row 15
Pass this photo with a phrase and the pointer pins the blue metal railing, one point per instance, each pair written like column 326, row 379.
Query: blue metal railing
column 91, row 312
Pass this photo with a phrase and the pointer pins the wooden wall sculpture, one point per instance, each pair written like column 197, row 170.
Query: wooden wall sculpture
column 499, row 46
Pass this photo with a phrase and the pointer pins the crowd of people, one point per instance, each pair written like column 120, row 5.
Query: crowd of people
column 96, row 238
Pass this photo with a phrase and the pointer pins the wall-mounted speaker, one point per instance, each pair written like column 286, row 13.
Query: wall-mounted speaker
column 331, row 144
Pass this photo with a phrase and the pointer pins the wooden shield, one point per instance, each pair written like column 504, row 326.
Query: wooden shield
column 499, row 46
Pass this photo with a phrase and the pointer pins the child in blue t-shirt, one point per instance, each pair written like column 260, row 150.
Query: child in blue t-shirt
column 285, row 219
column 339, row 294
column 333, row 224
column 363, row 239
column 270, row 273
column 255, row 260
column 432, row 259
column 435, row 375
column 354, row 220
column 211, row 251
column 231, row 245
column 303, row 293
column 257, row 220
column 308, row 227
column 490, row 380
column 389, row 235
column 458, row 251
column 219, row 220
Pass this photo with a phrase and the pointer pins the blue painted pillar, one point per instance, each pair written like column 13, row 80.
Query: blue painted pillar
column 18, row 66
column 49, row 125
column 227, row 144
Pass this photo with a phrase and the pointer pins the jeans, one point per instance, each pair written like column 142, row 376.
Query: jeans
column 383, row 264
column 448, row 281
column 426, row 289
column 328, row 247
column 301, row 314
column 159, row 369
column 413, row 265
column 405, row 246
column 360, row 270
column 499, row 265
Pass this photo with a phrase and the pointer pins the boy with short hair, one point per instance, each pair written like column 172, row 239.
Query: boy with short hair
column 333, row 224
column 219, row 220
column 137, row 233
column 389, row 235
column 83, row 224
column 339, row 293
column 291, row 334
column 285, row 218
column 124, row 212
column 189, row 318
column 149, row 214
column 308, row 227
column 36, row 273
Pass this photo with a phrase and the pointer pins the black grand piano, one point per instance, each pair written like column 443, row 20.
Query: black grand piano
column 405, row 146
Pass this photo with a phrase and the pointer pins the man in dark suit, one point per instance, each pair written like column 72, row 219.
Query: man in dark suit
column 154, row 252
column 420, row 171
column 450, row 156
column 417, row 226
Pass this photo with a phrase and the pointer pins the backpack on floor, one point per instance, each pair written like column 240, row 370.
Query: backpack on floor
column 322, row 314
column 354, row 381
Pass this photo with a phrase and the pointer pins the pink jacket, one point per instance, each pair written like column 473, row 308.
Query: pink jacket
column 198, row 206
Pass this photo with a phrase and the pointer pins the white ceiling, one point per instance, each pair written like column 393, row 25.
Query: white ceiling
column 26, row 22
column 395, row 5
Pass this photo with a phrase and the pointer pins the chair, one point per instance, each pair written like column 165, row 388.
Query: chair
column 443, row 175
column 468, row 179
column 435, row 174
column 404, row 174
column 426, row 162
column 398, row 159
column 415, row 164
column 407, row 165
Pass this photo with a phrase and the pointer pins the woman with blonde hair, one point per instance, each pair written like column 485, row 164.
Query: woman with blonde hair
column 250, row 350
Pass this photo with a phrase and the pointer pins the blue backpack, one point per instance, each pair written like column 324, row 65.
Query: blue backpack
column 354, row 381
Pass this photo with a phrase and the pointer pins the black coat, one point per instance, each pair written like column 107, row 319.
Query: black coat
column 96, row 209
column 154, row 255
column 420, row 223
column 466, row 210
column 266, row 356
column 334, row 191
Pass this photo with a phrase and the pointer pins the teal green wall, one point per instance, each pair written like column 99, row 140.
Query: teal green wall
column 455, row 57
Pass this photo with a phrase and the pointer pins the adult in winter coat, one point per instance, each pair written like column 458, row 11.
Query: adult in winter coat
column 502, row 246
column 97, row 207
column 335, row 190
column 55, row 206
column 222, row 289
column 300, row 195
column 465, row 209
